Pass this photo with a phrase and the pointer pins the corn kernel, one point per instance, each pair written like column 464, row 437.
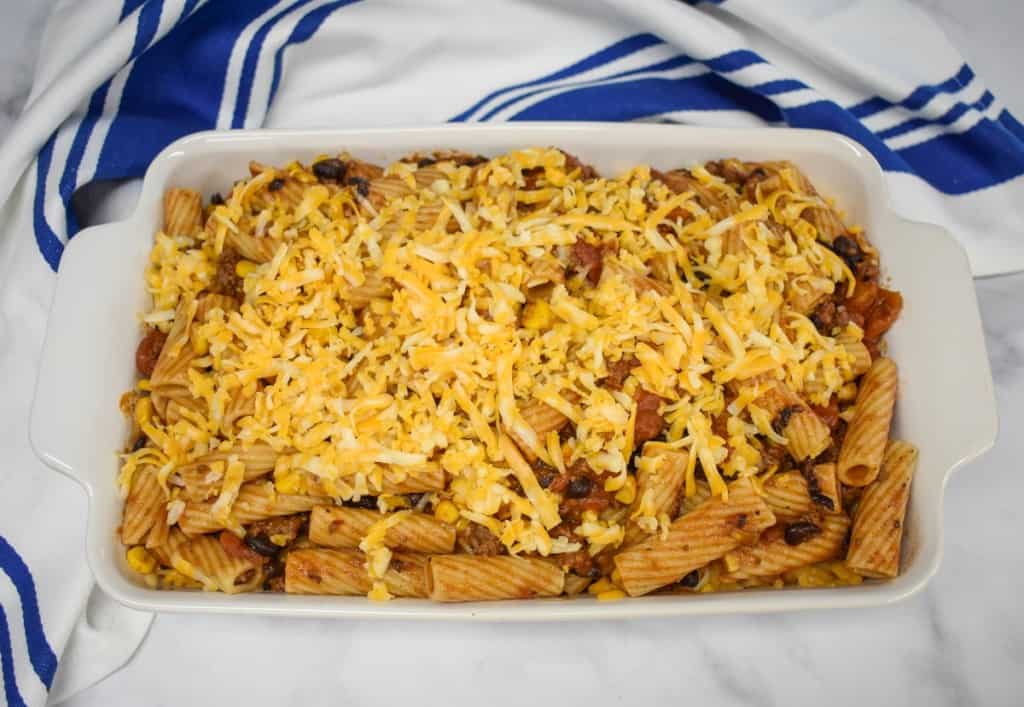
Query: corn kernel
column 173, row 579
column 611, row 595
column 615, row 483
column 201, row 345
column 244, row 268
column 732, row 562
column 144, row 384
column 280, row 539
column 538, row 315
column 143, row 411
column 379, row 592
column 627, row 494
column 290, row 483
column 600, row 586
column 393, row 502
column 141, row 560
column 847, row 392
column 446, row 511
column 321, row 334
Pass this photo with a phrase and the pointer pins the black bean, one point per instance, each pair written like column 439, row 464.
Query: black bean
column 823, row 316
column 140, row 443
column 813, row 490
column 822, row 500
column 275, row 568
column 579, row 487
column 544, row 473
column 275, row 184
column 262, row 545
column 426, row 162
column 691, row 580
column 594, row 572
column 363, row 502
column 216, row 199
column 330, row 170
column 800, row 531
column 847, row 249
column 782, row 419
column 514, row 485
column 273, row 579
column 362, row 185
column 415, row 498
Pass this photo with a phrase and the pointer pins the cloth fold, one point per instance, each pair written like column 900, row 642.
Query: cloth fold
column 120, row 79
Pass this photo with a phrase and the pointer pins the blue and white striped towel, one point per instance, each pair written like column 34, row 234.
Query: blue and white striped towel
column 120, row 79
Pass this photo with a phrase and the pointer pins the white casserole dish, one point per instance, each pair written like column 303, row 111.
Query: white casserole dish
column 946, row 404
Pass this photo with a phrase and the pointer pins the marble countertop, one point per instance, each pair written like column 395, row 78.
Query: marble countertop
column 958, row 642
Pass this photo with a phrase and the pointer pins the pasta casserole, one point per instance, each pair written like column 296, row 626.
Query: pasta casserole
column 462, row 378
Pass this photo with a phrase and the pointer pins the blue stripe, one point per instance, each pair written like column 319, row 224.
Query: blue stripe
column 69, row 179
column 773, row 88
column 826, row 115
column 46, row 237
column 302, row 31
column 733, row 61
column 948, row 118
column 923, row 94
column 249, row 64
column 149, row 22
column 130, row 6
column 48, row 242
column 630, row 100
column 42, row 657
column 625, row 47
column 166, row 97
column 904, row 127
column 146, row 25
column 673, row 63
column 11, row 693
column 967, row 161
column 869, row 107
column 919, row 97
column 1010, row 124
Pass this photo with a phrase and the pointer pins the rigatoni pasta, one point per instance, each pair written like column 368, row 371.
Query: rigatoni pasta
column 346, row 527
column 469, row 578
column 861, row 454
column 776, row 552
column 879, row 518
column 343, row 572
column 466, row 378
column 694, row 540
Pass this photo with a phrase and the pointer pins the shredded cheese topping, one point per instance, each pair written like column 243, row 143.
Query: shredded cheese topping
column 386, row 336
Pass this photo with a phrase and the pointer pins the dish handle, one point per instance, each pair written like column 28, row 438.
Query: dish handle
column 950, row 375
column 81, row 374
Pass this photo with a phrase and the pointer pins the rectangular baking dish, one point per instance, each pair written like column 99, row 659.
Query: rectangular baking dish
column 946, row 404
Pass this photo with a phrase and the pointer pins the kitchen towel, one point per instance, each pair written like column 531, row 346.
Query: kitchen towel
column 120, row 79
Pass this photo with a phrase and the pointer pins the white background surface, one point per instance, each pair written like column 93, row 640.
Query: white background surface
column 959, row 642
